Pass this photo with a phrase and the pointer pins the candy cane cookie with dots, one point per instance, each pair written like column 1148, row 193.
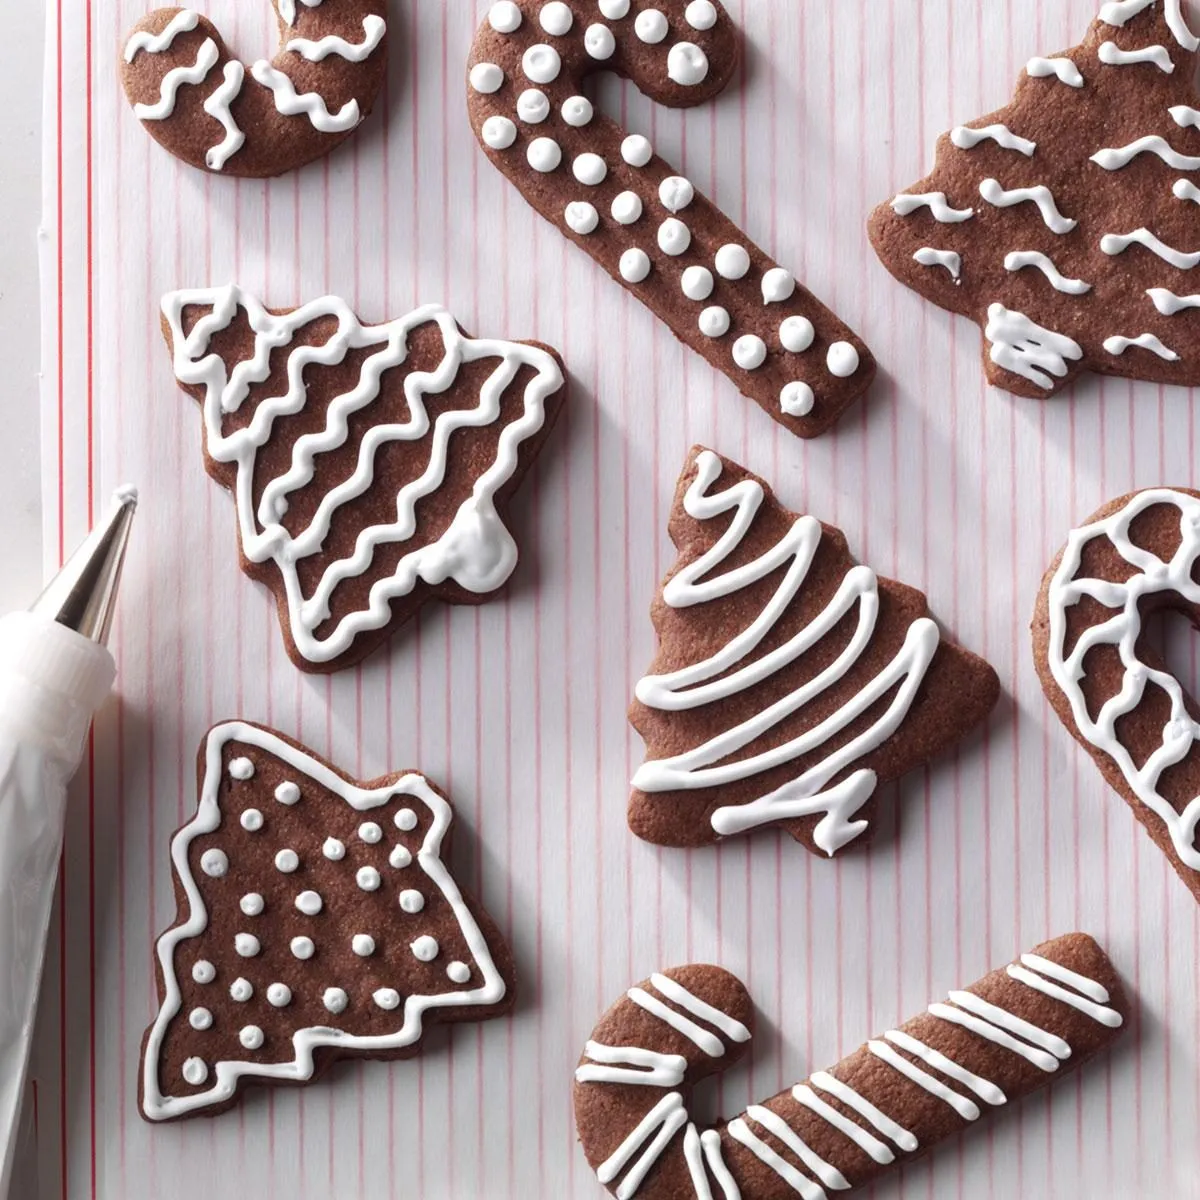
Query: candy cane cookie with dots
column 980, row 1050
column 644, row 223
column 1103, row 673
column 264, row 118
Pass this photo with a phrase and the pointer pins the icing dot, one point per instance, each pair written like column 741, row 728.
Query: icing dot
column 252, row 904
column 577, row 111
column 287, row 793
column 676, row 193
column 635, row 265
column 778, row 286
column 714, row 322
column 674, row 237
column 203, row 971
column 544, row 155
column 214, row 862
column 370, row 833
column 425, row 948
column 581, row 218
column 533, row 106
column 335, row 1000
column 651, row 26
column 687, row 64
column 697, row 283
column 287, row 861
column 200, row 1019
column 405, row 820
column 241, row 768
column 251, row 1037
column 842, row 360
column 400, row 857
column 252, row 820
column 556, row 18
column 486, row 77
column 458, row 972
column 387, row 998
column 505, row 17
column 333, row 850
column 303, row 947
column 241, row 990
column 247, row 945
column 279, row 995
column 590, row 170
column 411, row 900
column 195, row 1071
column 636, row 150
column 367, row 878
column 614, row 10
column 797, row 334
column 733, row 262
column 363, row 944
column 309, row 903
column 749, row 352
column 499, row 133
column 797, row 399
column 627, row 208
column 599, row 42
column 541, row 64
column 701, row 14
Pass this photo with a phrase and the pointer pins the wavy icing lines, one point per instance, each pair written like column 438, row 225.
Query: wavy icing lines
column 177, row 77
column 1022, row 346
column 1114, row 159
column 906, row 204
column 1152, row 577
column 1117, row 346
column 1119, row 12
column 291, row 103
column 374, row 28
column 721, row 676
column 1018, row 260
column 1062, row 69
column 183, row 21
column 477, row 552
column 1041, row 195
column 1111, row 55
column 1118, row 243
column 967, row 138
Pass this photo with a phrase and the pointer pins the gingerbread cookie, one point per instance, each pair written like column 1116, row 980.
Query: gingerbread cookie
column 646, row 225
column 370, row 463
column 789, row 680
column 1065, row 224
column 1112, row 690
column 216, row 113
column 316, row 921
column 886, row 1104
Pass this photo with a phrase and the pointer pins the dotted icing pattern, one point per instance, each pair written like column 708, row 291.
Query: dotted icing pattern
column 607, row 191
column 1027, row 1024
column 1064, row 224
column 269, row 117
column 278, row 954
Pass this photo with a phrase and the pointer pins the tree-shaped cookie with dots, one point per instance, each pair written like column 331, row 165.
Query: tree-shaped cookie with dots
column 1066, row 225
column 317, row 920
column 607, row 191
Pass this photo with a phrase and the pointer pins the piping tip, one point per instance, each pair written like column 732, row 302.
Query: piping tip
column 82, row 596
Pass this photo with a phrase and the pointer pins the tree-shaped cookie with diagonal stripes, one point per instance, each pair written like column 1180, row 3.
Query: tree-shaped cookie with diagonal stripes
column 1067, row 225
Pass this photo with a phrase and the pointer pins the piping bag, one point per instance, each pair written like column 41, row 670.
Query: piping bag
column 55, row 672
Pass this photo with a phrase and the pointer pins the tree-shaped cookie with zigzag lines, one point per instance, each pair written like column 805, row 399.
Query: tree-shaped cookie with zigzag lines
column 1067, row 225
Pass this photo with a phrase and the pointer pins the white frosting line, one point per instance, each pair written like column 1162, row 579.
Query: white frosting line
column 732, row 1028
column 183, row 21
column 1117, row 346
column 1185, row 116
column 907, row 203
column 631, row 1064
column 174, row 79
column 1100, row 1013
column 1179, row 27
column 1118, row 12
column 928, row 256
column 710, row 1140
column 374, row 27
column 866, row 1142
column 1169, row 304
column 1025, row 348
column 663, row 1121
column 309, row 104
column 693, row 1155
column 1113, row 243
column 1019, row 259
column 966, row 138
column 1113, row 56
column 706, row 1041
column 967, row 1109
column 808, row 1190
column 774, row 1124
column 985, row 1029
column 218, row 106
column 1113, row 159
column 1185, row 189
column 902, row 1137
column 985, row 1089
column 1063, row 69
column 1041, row 195
column 1026, row 1030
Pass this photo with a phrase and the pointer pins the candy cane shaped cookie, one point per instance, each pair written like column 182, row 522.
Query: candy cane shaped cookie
column 646, row 225
column 265, row 118
column 889, row 1102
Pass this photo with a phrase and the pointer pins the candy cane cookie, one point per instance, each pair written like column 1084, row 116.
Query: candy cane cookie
column 264, row 118
column 650, row 228
column 889, row 1102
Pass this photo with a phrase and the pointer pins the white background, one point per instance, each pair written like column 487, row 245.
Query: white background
column 519, row 708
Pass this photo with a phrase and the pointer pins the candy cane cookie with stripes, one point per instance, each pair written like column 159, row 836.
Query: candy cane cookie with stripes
column 607, row 191
column 265, row 118
column 979, row 1050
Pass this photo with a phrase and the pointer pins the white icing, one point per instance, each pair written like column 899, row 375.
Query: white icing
column 302, row 947
column 985, row 1029
column 220, row 106
column 486, row 78
column 1018, row 260
column 1113, row 159
column 1112, row 243
column 749, row 352
column 1117, row 346
column 370, row 832
column 715, row 321
column 687, row 64
column 951, row 261
column 458, row 972
column 544, row 155
column 599, row 42
column 797, row 334
column 541, row 64
column 590, row 169
column 1063, row 69
column 1185, row 189
column 411, row 900
column 966, row 138
column 1002, row 1018
column 241, row 769
column 1081, row 983
column 400, row 857
column 405, row 820
column 288, row 11
column 741, row 1132
column 335, row 1000
column 287, row 861
column 252, row 904
column 374, row 28
column 842, row 360
column 241, row 990
column 720, row 677
column 505, row 17
column 674, row 991
column 246, row 944
column 733, row 262
column 214, row 862
column 368, row 879
column 1113, row 56
column 203, row 971
column 771, row 1121
column 967, row 1109
column 195, row 1071
column 867, row 1143
column 309, row 903
column 1100, row 1013
column 1041, row 195
column 287, row 793
column 279, row 995
column 386, row 998
column 578, row 111
column 778, row 285
column 556, row 18
column 987, row 1091
column 797, row 399
column 533, row 106
column 697, row 283
column 636, row 150
column 634, row 265
column 177, row 77
column 701, row 14
column 1025, row 348
column 183, row 21
column 629, row 1064
column 363, row 944
column 650, row 26
column 251, row 1036
column 654, row 1132
column 675, row 193
column 252, row 820
column 1185, row 116
column 425, row 948
column 674, row 237
column 200, row 1019
column 907, row 203
column 703, row 1038
column 582, row 217
column 334, row 850
column 1179, row 27
column 476, row 552
column 291, row 103
column 614, row 10
column 851, row 1099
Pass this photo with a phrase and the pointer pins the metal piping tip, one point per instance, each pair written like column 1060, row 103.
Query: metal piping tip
column 82, row 596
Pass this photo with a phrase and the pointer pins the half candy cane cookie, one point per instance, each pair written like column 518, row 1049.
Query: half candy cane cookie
column 649, row 227
column 888, row 1103
column 216, row 113
column 1065, row 224
column 790, row 680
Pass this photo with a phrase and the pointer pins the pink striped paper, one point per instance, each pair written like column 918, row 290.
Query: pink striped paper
column 518, row 709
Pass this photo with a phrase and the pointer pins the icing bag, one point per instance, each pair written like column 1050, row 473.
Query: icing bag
column 55, row 672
